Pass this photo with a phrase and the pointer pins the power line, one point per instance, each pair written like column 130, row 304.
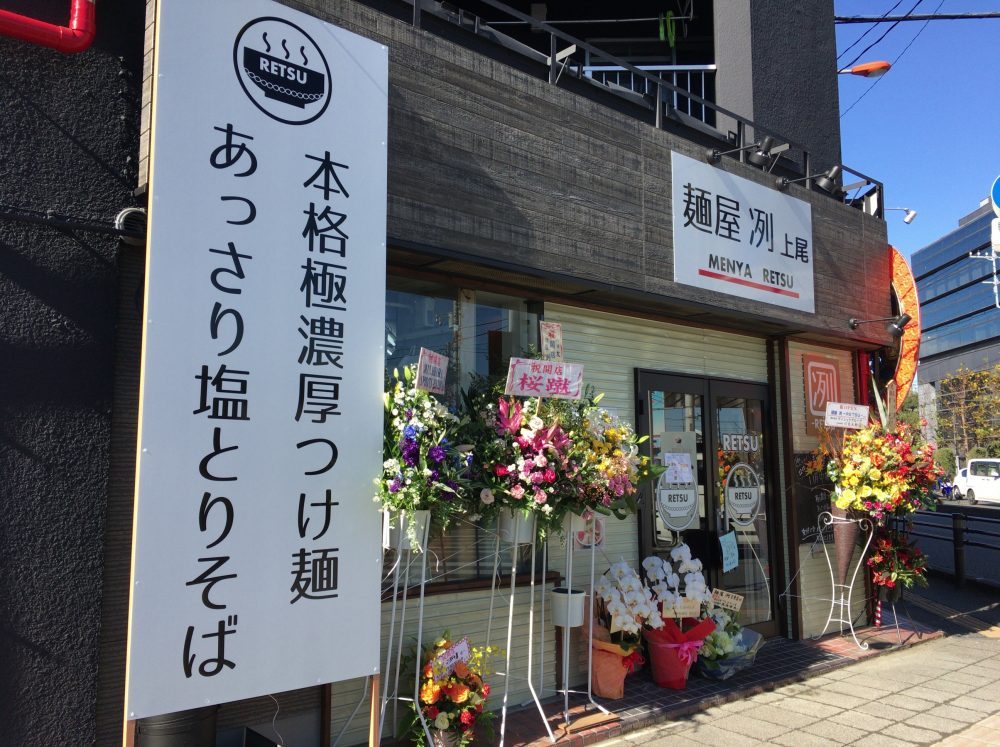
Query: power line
column 868, row 31
column 924, row 17
column 877, row 80
column 887, row 32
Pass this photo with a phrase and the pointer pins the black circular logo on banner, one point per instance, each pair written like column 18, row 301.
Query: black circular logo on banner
column 282, row 70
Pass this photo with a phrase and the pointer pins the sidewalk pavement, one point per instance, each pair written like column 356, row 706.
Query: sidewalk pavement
column 946, row 690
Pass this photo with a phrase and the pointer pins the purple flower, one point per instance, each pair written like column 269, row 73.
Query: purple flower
column 394, row 486
column 409, row 432
column 411, row 452
column 436, row 454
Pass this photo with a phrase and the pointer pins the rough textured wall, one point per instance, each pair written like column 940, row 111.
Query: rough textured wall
column 794, row 85
column 69, row 146
column 788, row 85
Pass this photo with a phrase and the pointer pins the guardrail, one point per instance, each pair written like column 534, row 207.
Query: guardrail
column 955, row 528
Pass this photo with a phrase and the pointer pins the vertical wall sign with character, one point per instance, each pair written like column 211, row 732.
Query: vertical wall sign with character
column 738, row 237
column 255, row 554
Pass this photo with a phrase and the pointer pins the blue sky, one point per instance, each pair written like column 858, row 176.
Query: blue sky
column 930, row 128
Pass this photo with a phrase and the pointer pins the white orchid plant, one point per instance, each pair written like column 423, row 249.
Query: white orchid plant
column 665, row 580
column 625, row 605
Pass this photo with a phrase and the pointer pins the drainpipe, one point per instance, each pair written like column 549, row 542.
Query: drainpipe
column 75, row 37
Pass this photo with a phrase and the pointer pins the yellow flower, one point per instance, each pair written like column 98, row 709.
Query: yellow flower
column 845, row 499
column 874, row 473
column 866, row 491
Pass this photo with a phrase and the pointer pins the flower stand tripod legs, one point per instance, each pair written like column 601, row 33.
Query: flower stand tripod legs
column 841, row 592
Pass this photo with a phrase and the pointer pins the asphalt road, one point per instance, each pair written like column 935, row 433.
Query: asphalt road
column 933, row 534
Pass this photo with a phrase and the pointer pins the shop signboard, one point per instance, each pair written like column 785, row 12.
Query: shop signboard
column 735, row 236
column 256, row 553
column 527, row 377
column 677, row 486
column 432, row 369
column 846, row 415
column 821, row 378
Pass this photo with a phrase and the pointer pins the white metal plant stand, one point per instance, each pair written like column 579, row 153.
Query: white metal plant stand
column 841, row 593
column 514, row 544
column 394, row 649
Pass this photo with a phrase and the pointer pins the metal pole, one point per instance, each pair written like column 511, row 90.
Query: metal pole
column 568, row 581
column 531, row 642
column 392, row 632
column 420, row 633
column 510, row 624
column 958, row 527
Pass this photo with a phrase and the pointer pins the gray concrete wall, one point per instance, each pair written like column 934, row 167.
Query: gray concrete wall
column 777, row 66
column 70, row 125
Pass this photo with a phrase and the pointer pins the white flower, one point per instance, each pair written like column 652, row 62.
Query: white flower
column 486, row 496
column 536, row 423
column 390, row 464
column 681, row 552
column 441, row 721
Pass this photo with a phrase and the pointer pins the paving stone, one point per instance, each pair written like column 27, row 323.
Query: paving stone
column 778, row 714
column 974, row 703
column 908, row 702
column 971, row 678
column 715, row 736
column 841, row 700
column 912, row 734
column 800, row 739
column 881, row 740
column 848, row 689
column 955, row 713
column 735, row 706
column 810, row 707
column 866, row 722
column 834, row 732
column 937, row 723
column 751, row 727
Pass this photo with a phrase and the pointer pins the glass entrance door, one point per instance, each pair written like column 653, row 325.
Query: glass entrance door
column 715, row 495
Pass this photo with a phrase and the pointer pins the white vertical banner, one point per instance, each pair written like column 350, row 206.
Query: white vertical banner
column 256, row 558
column 738, row 237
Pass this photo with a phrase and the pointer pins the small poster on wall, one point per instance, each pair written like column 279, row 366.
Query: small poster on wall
column 730, row 551
column 432, row 370
column 551, row 338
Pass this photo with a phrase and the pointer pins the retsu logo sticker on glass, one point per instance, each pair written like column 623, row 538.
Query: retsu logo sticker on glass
column 282, row 70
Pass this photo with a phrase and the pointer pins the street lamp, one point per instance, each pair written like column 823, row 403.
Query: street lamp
column 868, row 69
column 910, row 214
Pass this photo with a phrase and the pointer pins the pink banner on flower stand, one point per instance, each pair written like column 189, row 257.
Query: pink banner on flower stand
column 533, row 378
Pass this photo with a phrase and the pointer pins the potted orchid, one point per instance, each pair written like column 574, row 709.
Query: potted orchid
column 623, row 607
column 423, row 484
column 673, row 646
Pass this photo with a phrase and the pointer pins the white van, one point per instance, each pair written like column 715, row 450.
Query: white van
column 982, row 482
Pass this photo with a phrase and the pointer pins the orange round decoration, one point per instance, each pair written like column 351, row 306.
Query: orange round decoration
column 905, row 289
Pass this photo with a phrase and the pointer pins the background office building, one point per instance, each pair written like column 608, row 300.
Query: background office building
column 958, row 308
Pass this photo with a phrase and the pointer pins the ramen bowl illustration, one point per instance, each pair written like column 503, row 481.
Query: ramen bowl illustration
column 283, row 80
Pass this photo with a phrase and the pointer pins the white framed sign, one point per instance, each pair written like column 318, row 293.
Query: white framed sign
column 846, row 415
column 742, row 491
column 676, row 492
column 738, row 237
column 256, row 558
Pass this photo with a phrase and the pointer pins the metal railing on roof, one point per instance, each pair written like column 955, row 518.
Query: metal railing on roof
column 656, row 94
